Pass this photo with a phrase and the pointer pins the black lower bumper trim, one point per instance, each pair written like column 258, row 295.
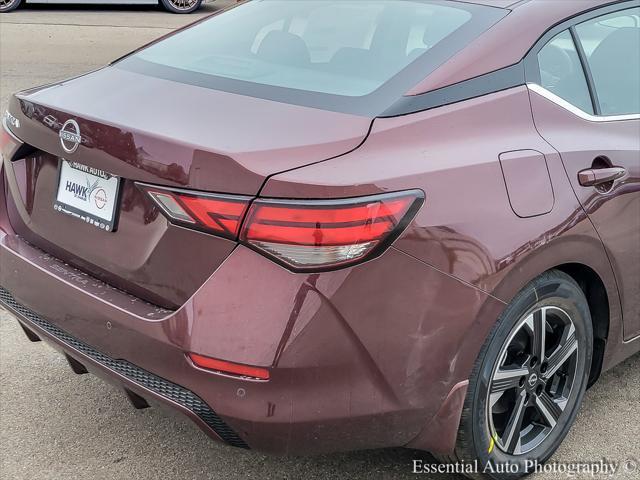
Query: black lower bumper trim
column 158, row 385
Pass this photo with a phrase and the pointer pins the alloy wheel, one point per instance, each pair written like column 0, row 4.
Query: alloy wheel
column 532, row 381
column 182, row 5
column 6, row 5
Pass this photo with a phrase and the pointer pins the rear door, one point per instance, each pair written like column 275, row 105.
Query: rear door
column 584, row 80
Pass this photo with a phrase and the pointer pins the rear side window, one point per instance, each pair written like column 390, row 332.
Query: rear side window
column 561, row 71
column 612, row 47
column 298, row 51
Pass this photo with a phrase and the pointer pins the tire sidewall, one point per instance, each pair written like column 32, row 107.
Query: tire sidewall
column 12, row 7
column 558, row 292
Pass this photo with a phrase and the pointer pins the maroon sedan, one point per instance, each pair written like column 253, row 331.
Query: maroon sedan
column 331, row 225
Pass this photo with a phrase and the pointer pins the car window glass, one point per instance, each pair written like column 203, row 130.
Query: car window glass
column 427, row 31
column 612, row 46
column 345, row 47
column 263, row 32
column 561, row 71
column 328, row 30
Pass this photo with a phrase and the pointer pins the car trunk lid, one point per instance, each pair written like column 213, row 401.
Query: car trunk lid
column 145, row 129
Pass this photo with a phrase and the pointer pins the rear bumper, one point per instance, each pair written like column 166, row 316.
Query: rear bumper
column 134, row 379
column 364, row 357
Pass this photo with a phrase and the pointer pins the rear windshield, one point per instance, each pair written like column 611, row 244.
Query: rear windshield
column 323, row 53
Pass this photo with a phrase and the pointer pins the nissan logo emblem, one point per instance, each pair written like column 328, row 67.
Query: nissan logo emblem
column 70, row 136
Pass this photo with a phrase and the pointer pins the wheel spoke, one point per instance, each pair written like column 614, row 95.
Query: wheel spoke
column 549, row 409
column 539, row 330
column 182, row 4
column 505, row 379
column 511, row 437
column 561, row 355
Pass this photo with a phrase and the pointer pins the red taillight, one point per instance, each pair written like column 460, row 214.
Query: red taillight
column 303, row 235
column 219, row 214
column 322, row 234
column 229, row 367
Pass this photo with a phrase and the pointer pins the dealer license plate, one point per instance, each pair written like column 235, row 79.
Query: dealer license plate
column 88, row 194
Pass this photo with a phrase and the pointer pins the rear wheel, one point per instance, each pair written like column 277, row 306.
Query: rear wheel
column 8, row 5
column 528, row 381
column 181, row 6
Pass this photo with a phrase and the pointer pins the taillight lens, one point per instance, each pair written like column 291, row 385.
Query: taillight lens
column 218, row 214
column 326, row 234
column 302, row 235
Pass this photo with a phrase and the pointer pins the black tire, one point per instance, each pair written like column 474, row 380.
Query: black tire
column 181, row 6
column 553, row 293
column 9, row 5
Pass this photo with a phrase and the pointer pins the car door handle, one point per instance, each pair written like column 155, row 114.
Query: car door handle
column 597, row 176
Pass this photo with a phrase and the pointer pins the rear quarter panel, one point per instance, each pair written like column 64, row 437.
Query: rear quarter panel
column 467, row 228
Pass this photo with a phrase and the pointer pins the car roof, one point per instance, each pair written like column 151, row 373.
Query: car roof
column 508, row 41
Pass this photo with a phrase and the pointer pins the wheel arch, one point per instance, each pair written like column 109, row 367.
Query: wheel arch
column 598, row 300
column 584, row 259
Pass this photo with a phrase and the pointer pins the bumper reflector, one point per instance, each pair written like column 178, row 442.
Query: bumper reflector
column 229, row 367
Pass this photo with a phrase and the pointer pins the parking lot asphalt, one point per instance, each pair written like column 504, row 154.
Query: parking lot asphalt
column 55, row 425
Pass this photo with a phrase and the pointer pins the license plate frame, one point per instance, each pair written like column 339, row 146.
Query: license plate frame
column 89, row 194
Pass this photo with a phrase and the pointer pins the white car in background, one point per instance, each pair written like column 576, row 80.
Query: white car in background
column 173, row 6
